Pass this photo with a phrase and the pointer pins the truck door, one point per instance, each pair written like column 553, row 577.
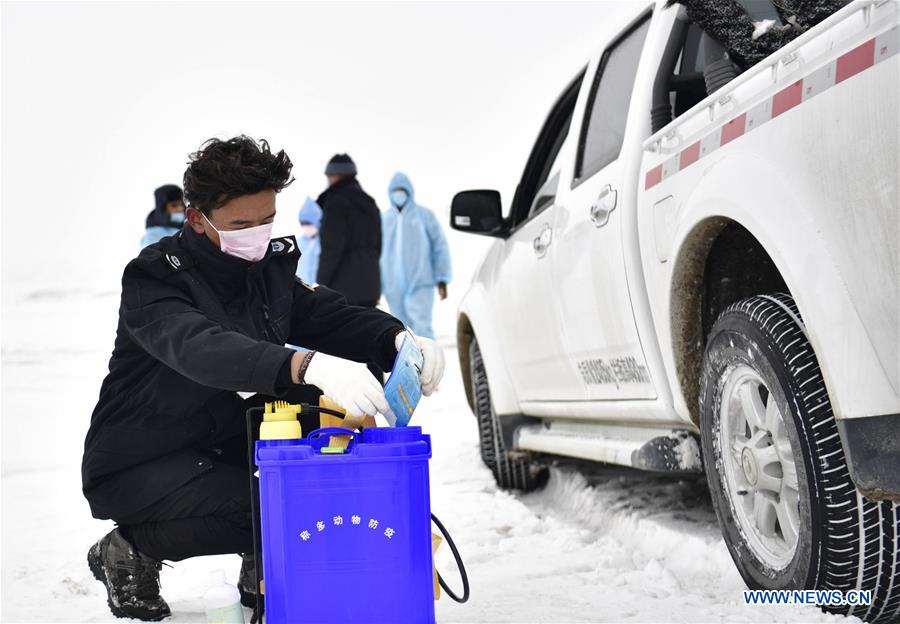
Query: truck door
column 601, row 338
column 523, row 293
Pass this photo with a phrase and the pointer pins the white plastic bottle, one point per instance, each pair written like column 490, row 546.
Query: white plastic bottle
column 223, row 601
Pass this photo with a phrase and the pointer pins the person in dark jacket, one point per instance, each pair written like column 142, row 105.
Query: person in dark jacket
column 167, row 216
column 350, row 236
column 205, row 315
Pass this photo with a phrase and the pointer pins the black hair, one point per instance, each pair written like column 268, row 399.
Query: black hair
column 223, row 170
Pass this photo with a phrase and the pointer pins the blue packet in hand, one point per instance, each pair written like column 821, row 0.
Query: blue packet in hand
column 404, row 387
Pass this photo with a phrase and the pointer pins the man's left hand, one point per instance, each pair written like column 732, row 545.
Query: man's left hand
column 442, row 290
column 432, row 356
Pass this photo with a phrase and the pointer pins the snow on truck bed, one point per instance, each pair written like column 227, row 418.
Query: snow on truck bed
column 598, row 544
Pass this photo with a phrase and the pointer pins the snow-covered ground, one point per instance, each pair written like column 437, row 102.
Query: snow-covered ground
column 597, row 545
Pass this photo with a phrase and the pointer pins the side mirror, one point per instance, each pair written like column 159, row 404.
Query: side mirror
column 477, row 212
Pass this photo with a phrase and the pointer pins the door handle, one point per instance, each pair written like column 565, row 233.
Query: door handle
column 542, row 241
column 605, row 204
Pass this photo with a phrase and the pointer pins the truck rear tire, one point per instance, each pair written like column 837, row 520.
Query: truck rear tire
column 521, row 473
column 790, row 514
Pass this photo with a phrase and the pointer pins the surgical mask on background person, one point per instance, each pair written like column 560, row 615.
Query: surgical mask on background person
column 249, row 244
column 399, row 197
column 309, row 230
column 176, row 218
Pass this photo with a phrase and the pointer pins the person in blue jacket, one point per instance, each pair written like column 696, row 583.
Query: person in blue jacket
column 167, row 216
column 415, row 258
column 309, row 244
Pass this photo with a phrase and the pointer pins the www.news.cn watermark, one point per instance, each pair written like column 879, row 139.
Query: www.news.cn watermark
column 813, row 597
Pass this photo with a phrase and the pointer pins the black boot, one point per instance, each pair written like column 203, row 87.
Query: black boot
column 247, row 581
column 131, row 579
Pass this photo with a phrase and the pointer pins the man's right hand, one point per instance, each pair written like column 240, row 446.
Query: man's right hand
column 347, row 383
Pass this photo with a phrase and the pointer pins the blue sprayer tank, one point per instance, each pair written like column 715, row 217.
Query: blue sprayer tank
column 346, row 534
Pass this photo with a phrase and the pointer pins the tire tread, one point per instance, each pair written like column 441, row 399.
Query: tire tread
column 869, row 557
column 510, row 474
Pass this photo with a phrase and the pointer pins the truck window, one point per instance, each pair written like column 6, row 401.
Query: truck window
column 608, row 103
column 551, row 164
column 546, row 195
column 542, row 161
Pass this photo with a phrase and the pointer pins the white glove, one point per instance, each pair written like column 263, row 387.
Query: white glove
column 349, row 384
column 433, row 360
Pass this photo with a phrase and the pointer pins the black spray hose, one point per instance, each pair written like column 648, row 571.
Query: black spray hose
column 315, row 409
column 459, row 563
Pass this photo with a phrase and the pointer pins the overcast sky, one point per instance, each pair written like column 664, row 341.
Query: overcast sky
column 102, row 102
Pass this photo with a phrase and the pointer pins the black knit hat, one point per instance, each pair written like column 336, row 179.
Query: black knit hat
column 165, row 194
column 340, row 165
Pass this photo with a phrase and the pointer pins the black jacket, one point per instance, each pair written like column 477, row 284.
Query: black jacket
column 350, row 236
column 195, row 327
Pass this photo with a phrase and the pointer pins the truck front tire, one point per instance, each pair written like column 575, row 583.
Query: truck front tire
column 790, row 514
column 521, row 473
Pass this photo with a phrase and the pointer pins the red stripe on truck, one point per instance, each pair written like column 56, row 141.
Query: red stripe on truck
column 654, row 177
column 733, row 129
column 856, row 60
column 689, row 155
column 787, row 98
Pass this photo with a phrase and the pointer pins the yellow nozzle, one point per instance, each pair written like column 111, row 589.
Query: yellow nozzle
column 280, row 422
column 281, row 410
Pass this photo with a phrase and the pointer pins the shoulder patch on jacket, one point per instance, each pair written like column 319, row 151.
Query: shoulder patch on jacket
column 160, row 263
column 283, row 246
column 175, row 261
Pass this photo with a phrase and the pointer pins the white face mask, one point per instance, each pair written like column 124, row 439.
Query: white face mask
column 249, row 244
column 309, row 231
column 399, row 197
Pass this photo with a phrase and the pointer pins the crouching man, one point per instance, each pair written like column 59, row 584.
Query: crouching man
column 204, row 315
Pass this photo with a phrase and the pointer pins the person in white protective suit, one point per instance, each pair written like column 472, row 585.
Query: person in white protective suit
column 415, row 258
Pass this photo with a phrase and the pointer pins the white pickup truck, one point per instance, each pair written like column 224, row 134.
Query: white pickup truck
column 700, row 269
